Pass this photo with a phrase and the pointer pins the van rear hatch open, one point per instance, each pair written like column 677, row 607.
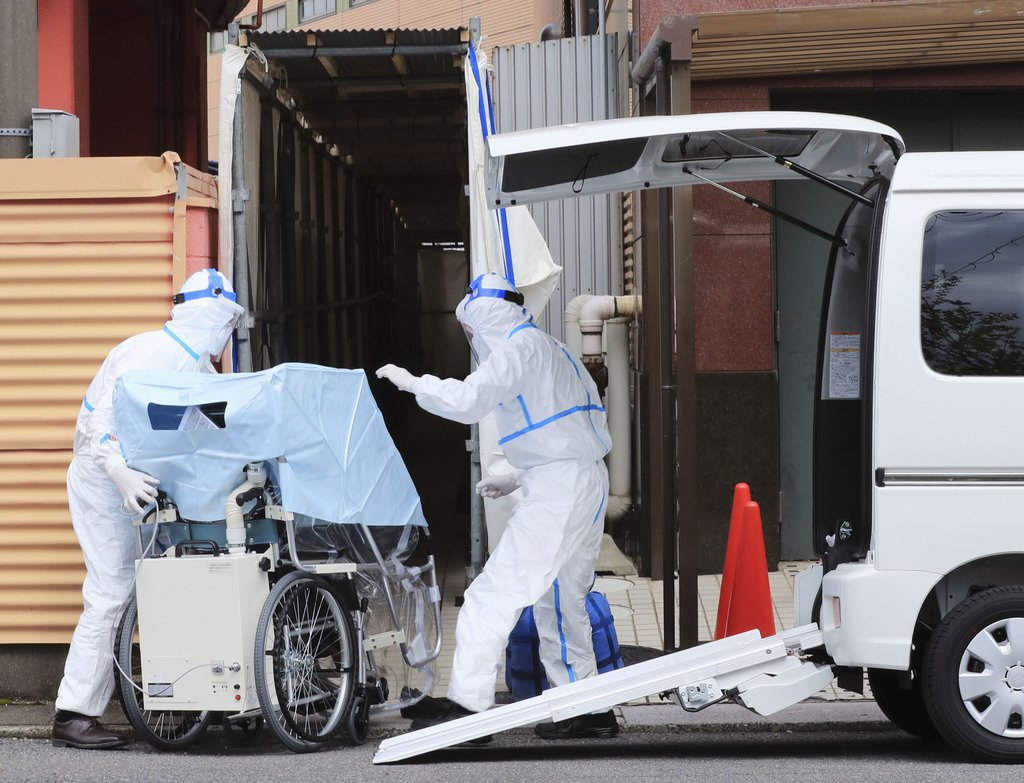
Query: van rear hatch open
column 637, row 153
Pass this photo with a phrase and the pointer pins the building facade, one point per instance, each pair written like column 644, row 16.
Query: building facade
column 946, row 74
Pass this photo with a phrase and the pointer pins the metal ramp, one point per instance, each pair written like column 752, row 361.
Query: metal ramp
column 764, row 675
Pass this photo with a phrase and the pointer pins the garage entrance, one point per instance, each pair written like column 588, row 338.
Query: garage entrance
column 355, row 159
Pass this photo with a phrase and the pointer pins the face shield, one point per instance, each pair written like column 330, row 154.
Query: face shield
column 468, row 330
column 205, row 312
column 221, row 338
column 485, row 287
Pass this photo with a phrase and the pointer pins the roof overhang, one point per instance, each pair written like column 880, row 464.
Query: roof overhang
column 220, row 13
column 864, row 37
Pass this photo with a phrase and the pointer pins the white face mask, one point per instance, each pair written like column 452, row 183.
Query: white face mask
column 206, row 324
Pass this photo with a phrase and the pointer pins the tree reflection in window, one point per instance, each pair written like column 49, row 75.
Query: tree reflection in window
column 972, row 293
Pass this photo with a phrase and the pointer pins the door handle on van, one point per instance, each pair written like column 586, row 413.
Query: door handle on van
column 979, row 477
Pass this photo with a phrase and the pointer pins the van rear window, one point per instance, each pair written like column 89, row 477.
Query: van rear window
column 972, row 293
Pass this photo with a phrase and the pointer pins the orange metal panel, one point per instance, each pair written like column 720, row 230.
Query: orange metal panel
column 62, row 579
column 41, row 598
column 91, row 250
column 41, row 568
column 88, row 178
column 48, row 619
column 40, row 557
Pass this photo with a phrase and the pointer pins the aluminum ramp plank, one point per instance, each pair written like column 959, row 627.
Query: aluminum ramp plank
column 730, row 656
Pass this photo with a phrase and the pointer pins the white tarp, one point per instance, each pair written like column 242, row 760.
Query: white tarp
column 504, row 241
column 507, row 242
column 231, row 66
column 317, row 430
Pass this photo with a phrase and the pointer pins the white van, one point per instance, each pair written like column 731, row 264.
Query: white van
column 919, row 420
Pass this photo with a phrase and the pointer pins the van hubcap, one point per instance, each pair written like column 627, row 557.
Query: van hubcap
column 991, row 677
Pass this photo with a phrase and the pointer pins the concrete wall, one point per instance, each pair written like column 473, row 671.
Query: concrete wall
column 31, row 672
column 18, row 85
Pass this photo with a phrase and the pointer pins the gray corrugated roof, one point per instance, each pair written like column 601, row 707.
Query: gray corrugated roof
column 355, row 40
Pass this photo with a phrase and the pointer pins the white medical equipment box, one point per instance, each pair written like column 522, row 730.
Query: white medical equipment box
column 197, row 626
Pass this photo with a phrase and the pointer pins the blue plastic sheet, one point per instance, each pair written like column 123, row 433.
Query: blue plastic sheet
column 317, row 430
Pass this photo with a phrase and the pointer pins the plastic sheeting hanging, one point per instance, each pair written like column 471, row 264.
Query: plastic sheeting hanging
column 231, row 67
column 504, row 241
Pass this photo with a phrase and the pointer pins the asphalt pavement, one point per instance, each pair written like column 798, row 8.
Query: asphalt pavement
column 815, row 740
column 33, row 721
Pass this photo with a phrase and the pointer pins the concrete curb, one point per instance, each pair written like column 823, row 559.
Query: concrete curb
column 34, row 721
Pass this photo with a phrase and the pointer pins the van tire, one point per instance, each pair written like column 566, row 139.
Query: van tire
column 973, row 679
column 903, row 706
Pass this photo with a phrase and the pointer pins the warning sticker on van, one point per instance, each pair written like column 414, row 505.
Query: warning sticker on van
column 844, row 365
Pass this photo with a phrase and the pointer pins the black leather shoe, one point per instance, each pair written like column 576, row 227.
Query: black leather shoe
column 427, row 707
column 599, row 724
column 81, row 731
column 444, row 710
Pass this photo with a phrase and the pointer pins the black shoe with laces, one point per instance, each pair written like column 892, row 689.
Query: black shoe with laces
column 443, row 710
column 73, row 730
column 598, row 724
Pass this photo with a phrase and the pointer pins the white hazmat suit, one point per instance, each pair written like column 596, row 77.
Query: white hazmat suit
column 553, row 430
column 103, row 492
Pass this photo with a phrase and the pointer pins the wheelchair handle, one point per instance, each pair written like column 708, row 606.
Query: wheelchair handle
column 201, row 546
column 244, row 497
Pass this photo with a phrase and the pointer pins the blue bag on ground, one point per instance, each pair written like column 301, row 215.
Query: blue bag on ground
column 524, row 674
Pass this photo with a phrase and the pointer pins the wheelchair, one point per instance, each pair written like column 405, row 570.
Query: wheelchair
column 306, row 627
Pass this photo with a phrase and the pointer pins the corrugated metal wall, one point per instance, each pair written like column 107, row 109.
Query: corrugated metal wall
column 552, row 83
column 333, row 271
column 80, row 270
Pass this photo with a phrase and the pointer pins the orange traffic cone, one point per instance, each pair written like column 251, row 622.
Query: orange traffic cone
column 740, row 497
column 750, row 606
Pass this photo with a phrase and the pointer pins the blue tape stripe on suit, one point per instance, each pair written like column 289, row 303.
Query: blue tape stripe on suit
column 561, row 634
column 182, row 343
column 548, row 420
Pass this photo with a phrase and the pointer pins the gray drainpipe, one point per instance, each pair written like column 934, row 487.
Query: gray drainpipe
column 239, row 196
column 477, row 523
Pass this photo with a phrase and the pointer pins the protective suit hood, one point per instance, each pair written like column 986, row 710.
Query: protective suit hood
column 489, row 312
column 205, row 313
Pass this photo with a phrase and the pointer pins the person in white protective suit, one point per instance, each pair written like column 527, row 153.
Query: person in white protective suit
column 104, row 493
column 554, row 432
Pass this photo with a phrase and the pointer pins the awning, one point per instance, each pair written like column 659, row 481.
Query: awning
column 866, row 37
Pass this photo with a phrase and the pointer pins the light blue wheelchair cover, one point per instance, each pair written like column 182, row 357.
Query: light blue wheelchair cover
column 317, row 429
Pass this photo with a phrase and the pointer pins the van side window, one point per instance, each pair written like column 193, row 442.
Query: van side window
column 972, row 293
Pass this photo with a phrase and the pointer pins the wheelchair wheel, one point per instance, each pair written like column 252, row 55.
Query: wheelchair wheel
column 305, row 662
column 163, row 729
column 357, row 724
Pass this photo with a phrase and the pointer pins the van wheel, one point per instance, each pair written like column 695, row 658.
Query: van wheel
column 973, row 676
column 903, row 706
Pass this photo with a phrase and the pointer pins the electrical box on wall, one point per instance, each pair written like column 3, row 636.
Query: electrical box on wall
column 54, row 134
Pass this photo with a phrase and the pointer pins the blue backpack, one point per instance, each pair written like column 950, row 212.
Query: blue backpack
column 524, row 674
